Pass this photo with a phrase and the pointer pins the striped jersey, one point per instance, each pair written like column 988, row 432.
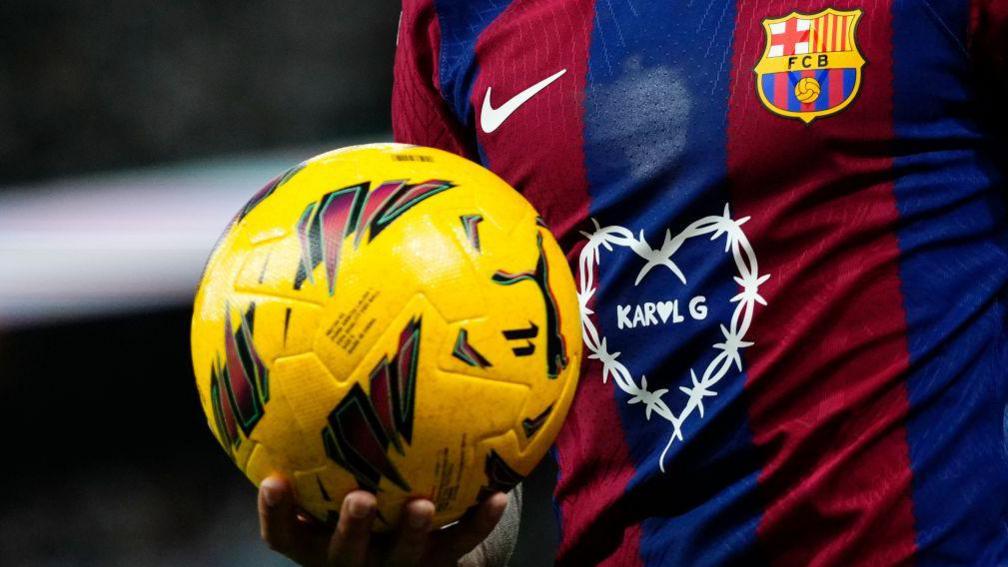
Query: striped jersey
column 786, row 221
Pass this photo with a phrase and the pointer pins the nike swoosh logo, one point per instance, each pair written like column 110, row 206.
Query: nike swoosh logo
column 491, row 118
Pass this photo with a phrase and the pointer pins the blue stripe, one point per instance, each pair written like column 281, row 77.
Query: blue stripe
column 954, row 270
column 849, row 78
column 822, row 103
column 768, row 87
column 461, row 25
column 655, row 146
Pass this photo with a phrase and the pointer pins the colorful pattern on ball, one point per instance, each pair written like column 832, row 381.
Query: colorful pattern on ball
column 240, row 385
column 413, row 336
column 468, row 353
column 556, row 349
column 531, row 425
column 471, row 225
column 325, row 224
column 361, row 427
column 500, row 476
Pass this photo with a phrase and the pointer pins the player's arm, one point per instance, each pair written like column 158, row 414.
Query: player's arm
column 420, row 115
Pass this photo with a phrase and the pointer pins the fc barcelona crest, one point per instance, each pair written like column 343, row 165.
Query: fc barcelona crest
column 811, row 65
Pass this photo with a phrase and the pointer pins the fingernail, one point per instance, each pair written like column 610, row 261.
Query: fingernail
column 498, row 505
column 421, row 516
column 271, row 493
column 359, row 509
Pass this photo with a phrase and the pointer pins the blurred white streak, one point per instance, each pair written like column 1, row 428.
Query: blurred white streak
column 120, row 242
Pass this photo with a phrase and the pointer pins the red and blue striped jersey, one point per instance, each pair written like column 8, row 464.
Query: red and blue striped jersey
column 787, row 224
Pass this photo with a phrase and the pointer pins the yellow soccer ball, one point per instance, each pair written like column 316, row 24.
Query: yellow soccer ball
column 387, row 317
column 807, row 90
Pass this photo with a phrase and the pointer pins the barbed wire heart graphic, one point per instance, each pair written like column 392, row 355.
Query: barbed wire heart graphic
column 729, row 350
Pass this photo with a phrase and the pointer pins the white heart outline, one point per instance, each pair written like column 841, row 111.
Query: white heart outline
column 748, row 278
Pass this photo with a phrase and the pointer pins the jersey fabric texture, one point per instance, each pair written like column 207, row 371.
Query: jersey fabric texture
column 788, row 227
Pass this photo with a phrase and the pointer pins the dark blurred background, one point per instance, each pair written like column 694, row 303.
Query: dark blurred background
column 130, row 132
column 89, row 85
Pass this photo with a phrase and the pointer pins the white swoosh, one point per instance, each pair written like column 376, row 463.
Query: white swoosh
column 491, row 118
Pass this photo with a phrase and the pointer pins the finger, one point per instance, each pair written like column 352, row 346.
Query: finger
column 349, row 544
column 473, row 528
column 411, row 538
column 283, row 528
column 277, row 516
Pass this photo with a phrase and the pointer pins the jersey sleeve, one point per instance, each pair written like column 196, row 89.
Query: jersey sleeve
column 419, row 114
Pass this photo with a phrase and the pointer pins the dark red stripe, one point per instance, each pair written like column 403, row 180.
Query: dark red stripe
column 780, row 94
column 826, row 375
column 419, row 113
column 595, row 464
column 509, row 64
column 843, row 34
column 836, row 82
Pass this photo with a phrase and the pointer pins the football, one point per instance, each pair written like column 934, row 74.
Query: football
column 390, row 318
